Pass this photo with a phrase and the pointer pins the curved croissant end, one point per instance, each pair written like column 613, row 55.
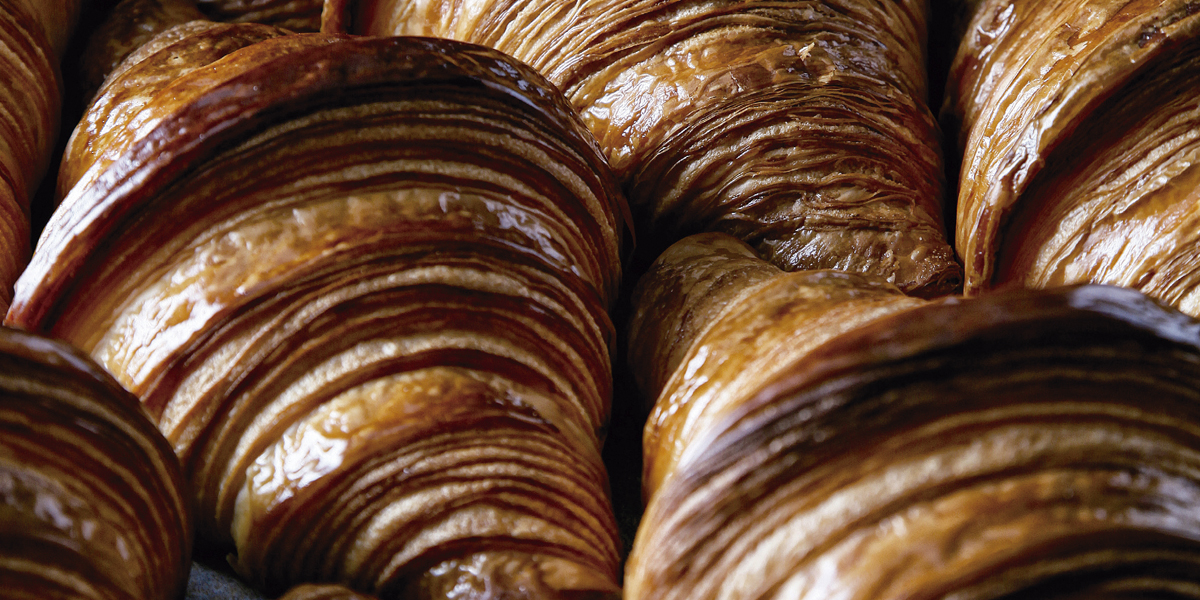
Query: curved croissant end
column 993, row 447
column 92, row 502
column 712, row 320
column 32, row 38
column 362, row 283
column 128, row 27
column 1078, row 125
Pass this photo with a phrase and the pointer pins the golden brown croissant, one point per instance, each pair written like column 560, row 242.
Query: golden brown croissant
column 363, row 286
column 826, row 437
column 33, row 36
column 92, row 502
column 139, row 93
column 800, row 127
column 712, row 320
column 128, row 27
column 1078, row 122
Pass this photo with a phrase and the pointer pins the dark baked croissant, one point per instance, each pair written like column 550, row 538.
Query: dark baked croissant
column 295, row 15
column 1078, row 122
column 799, row 127
column 848, row 442
column 33, row 36
column 129, row 25
column 92, row 503
column 363, row 286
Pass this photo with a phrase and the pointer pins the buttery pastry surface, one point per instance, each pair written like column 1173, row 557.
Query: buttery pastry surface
column 127, row 28
column 1000, row 446
column 800, row 127
column 92, row 502
column 749, row 320
column 362, row 284
column 33, row 36
column 1077, row 122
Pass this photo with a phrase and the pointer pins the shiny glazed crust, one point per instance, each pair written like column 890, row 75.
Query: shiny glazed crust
column 1005, row 446
column 92, row 502
column 799, row 127
column 363, row 286
column 730, row 321
column 128, row 27
column 1078, row 126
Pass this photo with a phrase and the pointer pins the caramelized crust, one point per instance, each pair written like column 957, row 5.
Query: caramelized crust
column 798, row 127
column 129, row 26
column 824, row 436
column 730, row 321
column 92, row 503
column 1077, row 121
column 362, row 284
column 55, row 20
column 145, row 90
column 30, row 101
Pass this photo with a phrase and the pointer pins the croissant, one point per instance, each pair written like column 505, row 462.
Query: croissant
column 50, row 21
column 139, row 91
column 699, row 296
column 363, row 286
column 824, row 436
column 92, row 501
column 129, row 26
column 1078, row 125
column 33, row 36
column 799, row 127
column 294, row 15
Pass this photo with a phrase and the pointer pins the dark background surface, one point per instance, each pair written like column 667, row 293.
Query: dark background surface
column 208, row 583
